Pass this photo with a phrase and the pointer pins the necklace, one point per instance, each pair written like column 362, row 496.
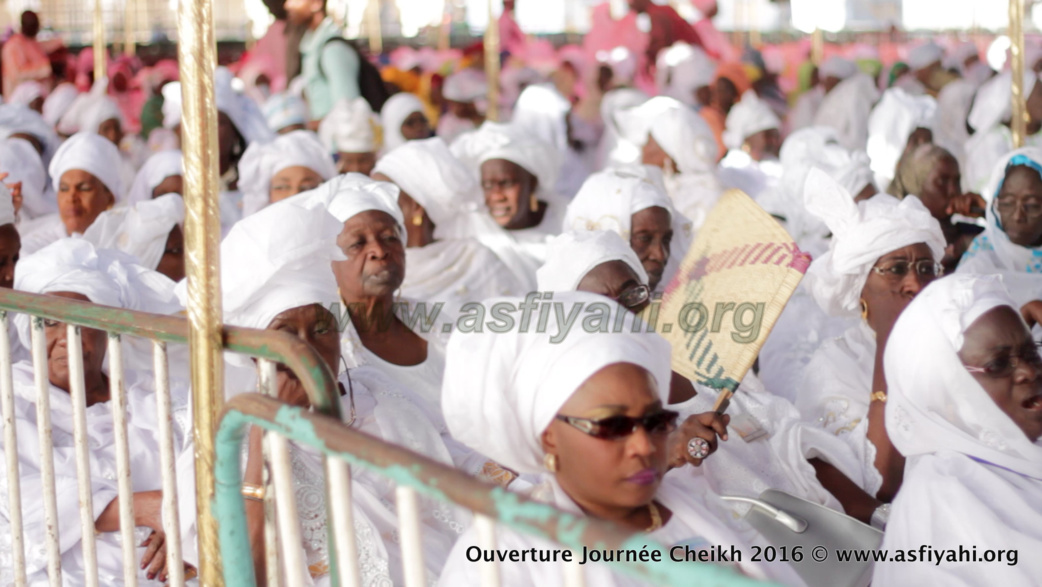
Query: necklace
column 656, row 518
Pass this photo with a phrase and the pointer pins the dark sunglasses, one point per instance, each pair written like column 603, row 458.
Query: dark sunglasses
column 898, row 269
column 615, row 427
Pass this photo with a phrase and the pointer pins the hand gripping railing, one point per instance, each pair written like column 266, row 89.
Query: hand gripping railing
column 268, row 346
column 414, row 475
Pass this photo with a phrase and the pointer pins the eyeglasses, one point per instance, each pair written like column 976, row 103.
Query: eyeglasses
column 1003, row 366
column 1009, row 204
column 899, row 269
column 489, row 185
column 634, row 296
column 615, row 427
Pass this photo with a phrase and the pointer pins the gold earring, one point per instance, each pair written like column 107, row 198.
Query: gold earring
column 417, row 220
column 550, row 462
column 746, row 147
column 864, row 310
column 533, row 203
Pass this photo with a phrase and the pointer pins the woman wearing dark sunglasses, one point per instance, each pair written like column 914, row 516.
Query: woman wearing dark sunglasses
column 586, row 414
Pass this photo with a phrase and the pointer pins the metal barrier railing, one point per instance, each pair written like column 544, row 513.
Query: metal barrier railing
column 267, row 346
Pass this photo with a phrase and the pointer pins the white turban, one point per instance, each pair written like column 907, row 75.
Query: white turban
column 892, row 121
column 502, row 390
column 140, row 230
column 157, row 168
column 97, row 111
column 263, row 160
column 350, row 194
column 22, row 163
column 276, row 260
column 243, row 111
column 394, row 112
column 91, row 153
column 282, row 110
column 104, row 276
column 993, row 103
column 861, row 234
column 58, row 102
column 679, row 130
column 958, row 56
column 837, row 67
column 623, row 64
column 495, row 140
column 572, row 255
column 924, row 55
column 748, row 117
column 609, row 199
column 15, row 119
column 933, row 403
column 428, row 172
column 542, row 111
column 681, row 70
column 852, row 170
column 25, row 92
column 468, row 85
column 6, row 206
column 348, row 128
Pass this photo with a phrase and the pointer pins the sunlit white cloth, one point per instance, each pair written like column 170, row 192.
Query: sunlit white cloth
column 846, row 109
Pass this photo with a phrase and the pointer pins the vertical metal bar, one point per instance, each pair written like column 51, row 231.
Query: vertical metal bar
column 100, row 61
column 171, row 516
column 338, row 474
column 78, row 396
column 271, row 539
column 573, row 572
column 43, row 420
column 374, row 26
column 289, row 521
column 486, row 529
column 492, row 65
column 409, row 531
column 14, row 478
column 118, row 402
column 1019, row 120
column 197, row 56
column 817, row 46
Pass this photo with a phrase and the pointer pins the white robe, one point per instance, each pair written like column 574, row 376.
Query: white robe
column 455, row 272
column 738, row 170
column 846, row 109
column 40, row 232
column 806, row 107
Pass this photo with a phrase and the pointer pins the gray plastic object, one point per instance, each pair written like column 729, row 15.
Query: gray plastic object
column 785, row 520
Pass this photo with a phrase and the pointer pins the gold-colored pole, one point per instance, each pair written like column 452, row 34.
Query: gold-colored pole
column 755, row 39
column 129, row 27
column 99, row 42
column 492, row 65
column 1019, row 122
column 445, row 30
column 817, row 46
column 197, row 56
column 376, row 41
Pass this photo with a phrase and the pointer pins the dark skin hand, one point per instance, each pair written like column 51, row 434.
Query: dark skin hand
column 707, row 426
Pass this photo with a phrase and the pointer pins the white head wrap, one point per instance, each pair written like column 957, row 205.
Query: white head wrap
column 958, row 56
column 837, row 67
column 348, row 128
column 58, row 102
column 679, row 130
column 748, row 117
column 15, row 119
column 25, row 92
column 574, row 254
column 276, row 260
column 22, row 163
column 91, row 153
column 157, row 168
column 924, row 55
column 502, row 390
column 263, row 160
column 936, row 405
column 495, row 140
column 140, row 230
column 993, row 104
column 243, row 111
column 852, row 170
column 681, row 70
column 623, row 64
column 468, row 85
column 6, row 206
column 282, row 110
column 350, row 194
column 394, row 112
column 87, row 111
column 892, row 121
column 542, row 111
column 608, row 200
column 861, row 234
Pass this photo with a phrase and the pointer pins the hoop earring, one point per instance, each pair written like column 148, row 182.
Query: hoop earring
column 864, row 310
column 550, row 462
column 533, row 203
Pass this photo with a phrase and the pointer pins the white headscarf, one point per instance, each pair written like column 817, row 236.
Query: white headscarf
column 282, row 110
column 92, row 153
column 502, row 390
column 893, row 120
column 993, row 104
column 242, row 110
column 276, row 260
column 348, row 128
column 861, row 234
column 847, row 108
column 936, row 405
column 140, row 230
column 58, row 102
column 350, row 194
column 748, row 117
column 465, row 86
column 679, row 130
column 495, row 140
column 837, row 67
column 98, row 110
column 6, row 206
column 15, row 119
column 22, row 163
column 542, row 111
column 609, row 199
column 263, row 160
column 574, row 254
column 25, row 92
column 681, row 70
column 394, row 112
column 157, row 168
column 924, row 55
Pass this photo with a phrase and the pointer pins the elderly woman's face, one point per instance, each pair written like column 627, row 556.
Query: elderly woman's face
column 765, row 144
column 508, row 192
column 316, row 326
column 10, row 248
column 616, row 280
column 416, row 127
column 941, row 185
column 93, row 345
column 292, row 181
column 171, row 184
column 895, row 279
column 356, row 162
column 605, row 475
column 81, row 198
column 375, row 265
column 112, row 130
column 1019, row 206
column 651, row 235
column 1000, row 343
column 172, row 263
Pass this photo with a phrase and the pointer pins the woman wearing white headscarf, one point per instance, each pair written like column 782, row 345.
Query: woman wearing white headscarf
column 541, row 110
column 96, row 112
column 162, row 173
column 276, row 276
column 883, row 251
column 58, row 102
column 25, row 175
column 846, row 108
column 150, row 231
column 86, row 177
column 20, row 122
column 444, row 260
column 968, row 424
column 348, row 132
column 631, row 202
column 403, row 119
column 292, row 163
column 989, row 118
column 753, row 139
column 540, row 403
column 465, row 94
column 574, row 256
column 10, row 241
column 286, row 113
column 899, row 122
column 73, row 268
